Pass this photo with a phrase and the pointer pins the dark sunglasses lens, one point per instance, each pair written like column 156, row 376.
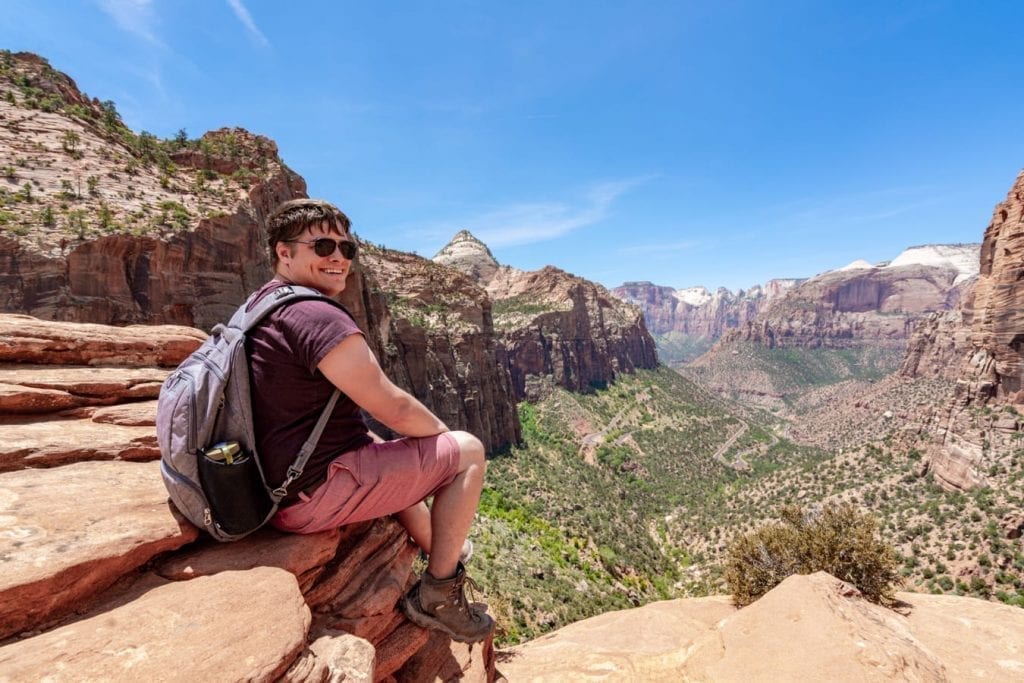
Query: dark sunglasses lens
column 326, row 246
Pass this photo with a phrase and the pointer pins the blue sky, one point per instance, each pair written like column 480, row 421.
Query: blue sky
column 714, row 143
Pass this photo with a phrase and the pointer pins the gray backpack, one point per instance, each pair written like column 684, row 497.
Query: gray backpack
column 205, row 429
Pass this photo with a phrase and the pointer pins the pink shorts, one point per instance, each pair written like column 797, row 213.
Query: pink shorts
column 376, row 480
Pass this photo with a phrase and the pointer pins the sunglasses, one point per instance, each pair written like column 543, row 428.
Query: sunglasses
column 325, row 246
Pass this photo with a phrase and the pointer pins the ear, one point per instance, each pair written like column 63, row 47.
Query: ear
column 284, row 251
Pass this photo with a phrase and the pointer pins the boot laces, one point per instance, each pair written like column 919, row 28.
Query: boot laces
column 458, row 592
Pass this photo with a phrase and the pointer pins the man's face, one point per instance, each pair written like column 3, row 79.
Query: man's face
column 299, row 264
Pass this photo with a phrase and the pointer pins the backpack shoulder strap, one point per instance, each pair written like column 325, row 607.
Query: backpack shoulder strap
column 245, row 320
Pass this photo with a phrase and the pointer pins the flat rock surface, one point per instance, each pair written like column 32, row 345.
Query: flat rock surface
column 234, row 626
column 295, row 553
column 975, row 638
column 38, row 389
column 24, row 339
column 68, row 533
column 648, row 643
column 49, row 442
column 141, row 414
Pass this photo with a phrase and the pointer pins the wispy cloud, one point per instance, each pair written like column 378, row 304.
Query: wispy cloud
column 134, row 16
column 243, row 16
column 530, row 222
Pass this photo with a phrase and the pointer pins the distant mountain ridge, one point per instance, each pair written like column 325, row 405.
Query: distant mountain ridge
column 807, row 312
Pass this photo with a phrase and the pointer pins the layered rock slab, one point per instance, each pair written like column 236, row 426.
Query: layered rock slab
column 233, row 626
column 68, row 533
column 24, row 339
column 51, row 442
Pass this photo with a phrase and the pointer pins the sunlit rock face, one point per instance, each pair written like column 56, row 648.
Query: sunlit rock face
column 469, row 255
column 994, row 311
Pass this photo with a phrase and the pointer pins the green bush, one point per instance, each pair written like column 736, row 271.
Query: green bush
column 838, row 539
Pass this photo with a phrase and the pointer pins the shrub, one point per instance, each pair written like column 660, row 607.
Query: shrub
column 838, row 539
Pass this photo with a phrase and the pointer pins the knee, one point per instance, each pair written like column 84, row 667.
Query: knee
column 471, row 449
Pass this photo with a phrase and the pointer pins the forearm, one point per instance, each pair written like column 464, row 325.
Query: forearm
column 409, row 417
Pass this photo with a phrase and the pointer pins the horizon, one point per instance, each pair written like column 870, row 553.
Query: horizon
column 683, row 146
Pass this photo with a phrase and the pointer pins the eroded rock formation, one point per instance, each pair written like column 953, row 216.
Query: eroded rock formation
column 552, row 326
column 558, row 327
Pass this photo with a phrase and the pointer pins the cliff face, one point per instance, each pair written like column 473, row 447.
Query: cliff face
column 551, row 326
column 554, row 324
column 694, row 312
column 844, row 308
column 995, row 310
column 100, row 224
column 431, row 327
column 980, row 344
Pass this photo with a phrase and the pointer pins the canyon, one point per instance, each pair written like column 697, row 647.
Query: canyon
column 118, row 251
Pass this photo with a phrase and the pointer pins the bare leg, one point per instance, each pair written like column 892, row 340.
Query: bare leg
column 416, row 521
column 454, row 507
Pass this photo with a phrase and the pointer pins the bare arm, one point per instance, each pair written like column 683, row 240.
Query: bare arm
column 352, row 367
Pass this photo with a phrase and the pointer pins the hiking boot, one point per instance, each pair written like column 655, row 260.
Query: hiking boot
column 441, row 605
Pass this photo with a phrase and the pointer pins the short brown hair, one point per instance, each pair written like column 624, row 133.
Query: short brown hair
column 290, row 218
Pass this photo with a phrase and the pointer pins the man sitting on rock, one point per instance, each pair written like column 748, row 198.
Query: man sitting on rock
column 298, row 356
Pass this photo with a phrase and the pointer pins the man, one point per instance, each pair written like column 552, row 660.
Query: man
column 298, row 356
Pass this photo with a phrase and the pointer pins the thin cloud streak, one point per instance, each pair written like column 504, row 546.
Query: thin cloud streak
column 529, row 223
column 243, row 16
column 134, row 16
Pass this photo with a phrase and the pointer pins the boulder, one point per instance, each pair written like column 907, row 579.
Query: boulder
column 956, row 468
column 68, row 533
column 333, row 656
column 813, row 628
column 234, row 626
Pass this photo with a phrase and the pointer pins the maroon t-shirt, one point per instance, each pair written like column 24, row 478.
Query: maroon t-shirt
column 289, row 392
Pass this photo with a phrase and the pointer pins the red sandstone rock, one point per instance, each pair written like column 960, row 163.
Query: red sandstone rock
column 332, row 657
column 70, row 532
column 299, row 554
column 814, row 628
column 995, row 310
column 89, row 385
column 24, row 339
column 233, row 626
column 16, row 399
column 554, row 324
column 130, row 415
column 51, row 442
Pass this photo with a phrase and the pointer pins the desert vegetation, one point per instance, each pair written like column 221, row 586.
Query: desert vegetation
column 72, row 170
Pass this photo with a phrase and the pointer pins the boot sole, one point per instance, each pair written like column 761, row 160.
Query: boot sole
column 426, row 621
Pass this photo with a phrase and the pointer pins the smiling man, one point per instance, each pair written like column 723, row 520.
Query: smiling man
column 298, row 356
